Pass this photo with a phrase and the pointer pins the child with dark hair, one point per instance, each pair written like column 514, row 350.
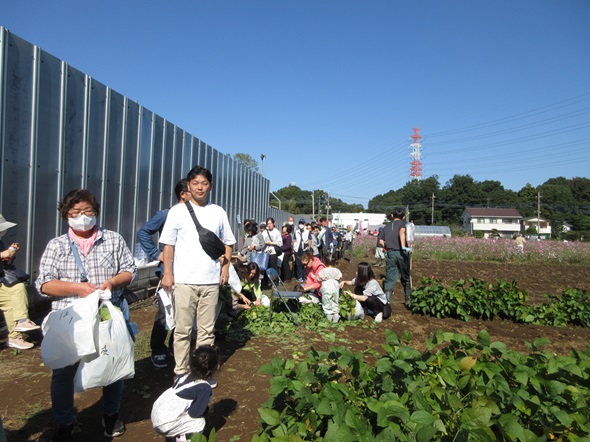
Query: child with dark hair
column 368, row 292
column 179, row 412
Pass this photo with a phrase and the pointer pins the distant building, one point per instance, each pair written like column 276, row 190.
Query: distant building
column 504, row 222
column 544, row 226
column 428, row 231
column 371, row 221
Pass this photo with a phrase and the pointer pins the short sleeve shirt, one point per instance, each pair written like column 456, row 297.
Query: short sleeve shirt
column 191, row 264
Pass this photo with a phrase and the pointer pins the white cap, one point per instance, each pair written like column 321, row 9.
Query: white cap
column 5, row 225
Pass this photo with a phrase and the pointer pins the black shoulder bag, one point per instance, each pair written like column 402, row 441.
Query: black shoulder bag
column 210, row 242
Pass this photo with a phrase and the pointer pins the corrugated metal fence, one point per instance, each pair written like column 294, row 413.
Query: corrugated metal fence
column 60, row 129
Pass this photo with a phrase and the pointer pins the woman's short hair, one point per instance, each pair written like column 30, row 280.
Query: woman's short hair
column 74, row 197
column 250, row 228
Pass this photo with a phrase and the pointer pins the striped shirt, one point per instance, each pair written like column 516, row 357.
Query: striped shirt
column 108, row 257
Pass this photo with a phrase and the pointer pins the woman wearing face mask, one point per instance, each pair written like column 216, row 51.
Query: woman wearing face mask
column 14, row 301
column 73, row 266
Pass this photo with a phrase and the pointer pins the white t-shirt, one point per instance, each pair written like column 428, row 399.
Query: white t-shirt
column 191, row 264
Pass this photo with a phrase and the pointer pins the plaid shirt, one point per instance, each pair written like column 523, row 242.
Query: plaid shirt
column 108, row 257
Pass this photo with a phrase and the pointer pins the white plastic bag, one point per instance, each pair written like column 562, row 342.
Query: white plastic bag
column 115, row 357
column 70, row 333
column 167, row 300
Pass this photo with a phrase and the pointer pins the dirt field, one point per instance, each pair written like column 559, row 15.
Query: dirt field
column 25, row 404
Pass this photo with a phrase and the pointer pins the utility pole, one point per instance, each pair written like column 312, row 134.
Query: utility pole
column 432, row 211
column 538, row 213
column 313, row 205
column 263, row 157
column 328, row 206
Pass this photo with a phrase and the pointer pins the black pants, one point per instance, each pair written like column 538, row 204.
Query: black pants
column 286, row 272
column 159, row 332
column 299, row 270
column 374, row 304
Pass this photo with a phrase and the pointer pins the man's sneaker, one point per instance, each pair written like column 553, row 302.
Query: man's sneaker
column 212, row 382
column 113, row 427
column 63, row 434
column 379, row 318
column 19, row 343
column 300, row 280
column 26, row 326
column 159, row 361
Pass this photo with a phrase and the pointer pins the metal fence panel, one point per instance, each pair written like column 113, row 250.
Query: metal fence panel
column 60, row 129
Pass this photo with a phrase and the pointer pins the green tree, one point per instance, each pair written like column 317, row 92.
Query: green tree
column 247, row 161
column 581, row 189
column 295, row 200
column 458, row 193
column 527, row 197
column 495, row 195
column 386, row 202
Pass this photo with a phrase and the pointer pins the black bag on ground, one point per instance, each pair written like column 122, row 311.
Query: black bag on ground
column 210, row 242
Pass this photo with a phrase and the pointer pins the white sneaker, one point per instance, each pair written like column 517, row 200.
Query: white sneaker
column 19, row 343
column 26, row 326
column 379, row 318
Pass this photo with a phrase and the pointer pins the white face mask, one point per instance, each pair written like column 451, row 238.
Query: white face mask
column 301, row 226
column 290, row 223
column 82, row 223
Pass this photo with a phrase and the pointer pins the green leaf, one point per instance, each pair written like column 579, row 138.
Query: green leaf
column 422, row 417
column 269, row 416
column 510, row 426
column 483, row 338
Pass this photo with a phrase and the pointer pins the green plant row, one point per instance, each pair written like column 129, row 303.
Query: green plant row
column 457, row 390
column 257, row 320
column 481, row 300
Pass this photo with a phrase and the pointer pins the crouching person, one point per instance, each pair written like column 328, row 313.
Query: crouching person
column 180, row 411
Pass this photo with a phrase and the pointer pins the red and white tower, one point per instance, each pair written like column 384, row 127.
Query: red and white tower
column 416, row 164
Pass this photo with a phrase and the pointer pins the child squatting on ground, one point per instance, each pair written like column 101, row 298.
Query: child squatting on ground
column 330, row 278
column 180, row 411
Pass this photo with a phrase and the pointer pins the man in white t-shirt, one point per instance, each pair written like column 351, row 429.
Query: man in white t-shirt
column 193, row 275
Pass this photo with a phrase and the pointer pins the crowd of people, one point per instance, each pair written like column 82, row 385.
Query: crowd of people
column 191, row 271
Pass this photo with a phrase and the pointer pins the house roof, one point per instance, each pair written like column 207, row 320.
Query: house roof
column 492, row 212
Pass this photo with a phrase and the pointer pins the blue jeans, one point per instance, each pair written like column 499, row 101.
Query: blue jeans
column 62, row 385
column 62, row 395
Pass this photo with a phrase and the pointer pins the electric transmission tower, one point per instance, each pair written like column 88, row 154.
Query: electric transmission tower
column 416, row 164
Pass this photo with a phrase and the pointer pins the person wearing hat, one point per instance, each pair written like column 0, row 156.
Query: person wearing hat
column 14, row 301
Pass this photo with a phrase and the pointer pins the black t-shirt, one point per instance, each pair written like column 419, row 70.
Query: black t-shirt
column 390, row 234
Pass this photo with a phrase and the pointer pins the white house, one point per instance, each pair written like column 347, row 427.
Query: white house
column 544, row 227
column 506, row 222
column 365, row 220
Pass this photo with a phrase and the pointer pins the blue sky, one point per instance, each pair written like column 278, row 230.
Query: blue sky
column 330, row 90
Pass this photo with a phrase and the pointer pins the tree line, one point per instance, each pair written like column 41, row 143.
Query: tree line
column 560, row 200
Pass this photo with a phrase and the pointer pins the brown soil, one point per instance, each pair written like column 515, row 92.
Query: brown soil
column 24, row 386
